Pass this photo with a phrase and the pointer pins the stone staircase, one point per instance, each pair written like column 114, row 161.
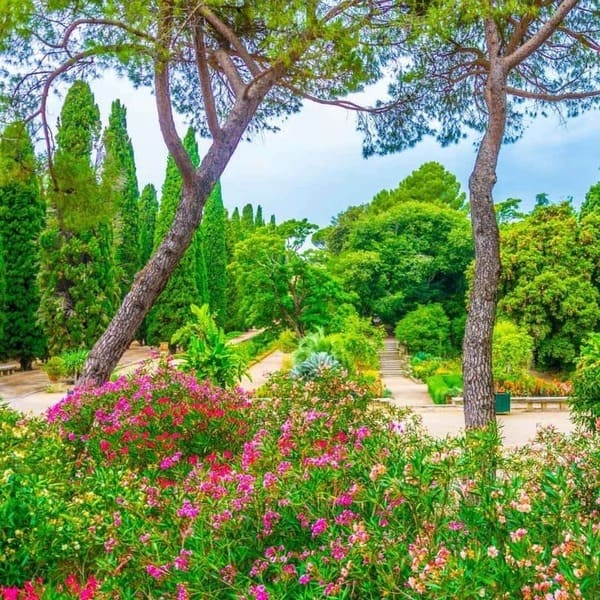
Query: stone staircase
column 393, row 364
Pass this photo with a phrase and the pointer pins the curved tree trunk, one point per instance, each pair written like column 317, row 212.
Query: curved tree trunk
column 479, row 403
column 153, row 278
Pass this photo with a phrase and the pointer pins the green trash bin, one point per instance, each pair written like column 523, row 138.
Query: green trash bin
column 502, row 403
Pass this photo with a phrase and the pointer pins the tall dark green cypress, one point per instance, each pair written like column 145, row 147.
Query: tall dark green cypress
column 212, row 233
column 119, row 182
column 147, row 212
column 233, row 232
column 22, row 213
column 247, row 220
column 77, row 278
column 3, row 315
column 172, row 308
column 258, row 219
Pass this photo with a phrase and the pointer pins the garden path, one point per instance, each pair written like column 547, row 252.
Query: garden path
column 259, row 372
column 406, row 392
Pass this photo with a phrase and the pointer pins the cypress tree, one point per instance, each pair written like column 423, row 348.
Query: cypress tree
column 258, row 219
column 21, row 219
column 77, row 276
column 2, row 297
column 272, row 222
column 119, row 182
column 147, row 211
column 233, row 232
column 247, row 220
column 215, row 253
column 172, row 308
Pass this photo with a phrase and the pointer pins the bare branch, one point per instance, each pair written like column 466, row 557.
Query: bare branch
column 233, row 39
column 205, row 85
column 518, row 34
column 582, row 38
column 548, row 97
column 542, row 35
column 162, row 90
column 230, row 70
column 109, row 22
column 347, row 104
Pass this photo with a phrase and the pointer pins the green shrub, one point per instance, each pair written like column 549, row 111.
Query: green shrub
column 287, row 341
column 440, row 387
column 314, row 342
column 55, row 367
column 73, row 361
column 512, row 351
column 585, row 401
column 425, row 329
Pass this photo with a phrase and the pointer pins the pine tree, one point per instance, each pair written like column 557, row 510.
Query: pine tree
column 172, row 308
column 119, row 182
column 258, row 219
column 77, row 276
column 21, row 219
column 215, row 253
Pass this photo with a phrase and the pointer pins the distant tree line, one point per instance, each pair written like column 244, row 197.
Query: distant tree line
column 74, row 238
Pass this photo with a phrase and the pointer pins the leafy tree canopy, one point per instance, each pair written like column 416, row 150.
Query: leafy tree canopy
column 547, row 282
column 278, row 285
column 429, row 183
column 412, row 254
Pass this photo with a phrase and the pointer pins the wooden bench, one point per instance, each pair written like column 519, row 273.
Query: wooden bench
column 530, row 402
column 8, row 369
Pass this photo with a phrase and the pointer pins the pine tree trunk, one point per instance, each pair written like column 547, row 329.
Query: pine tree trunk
column 152, row 279
column 479, row 404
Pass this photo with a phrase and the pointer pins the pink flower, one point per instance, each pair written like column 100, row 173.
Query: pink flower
column 170, row 461
column 518, row 535
column 188, row 510
column 182, row 593
column 319, row 527
column 269, row 480
column 259, row 592
column 182, row 562
column 156, row 572
column 109, row 545
column 304, row 579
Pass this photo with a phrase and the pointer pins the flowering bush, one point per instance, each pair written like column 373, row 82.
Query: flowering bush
column 528, row 385
column 160, row 417
column 324, row 495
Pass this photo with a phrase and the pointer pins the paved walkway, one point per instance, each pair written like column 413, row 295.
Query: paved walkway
column 28, row 391
column 518, row 427
column 259, row 373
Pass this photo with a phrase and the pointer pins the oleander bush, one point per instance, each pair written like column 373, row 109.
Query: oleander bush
column 315, row 492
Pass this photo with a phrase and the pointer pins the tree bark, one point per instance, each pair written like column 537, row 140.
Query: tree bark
column 479, row 405
column 152, row 279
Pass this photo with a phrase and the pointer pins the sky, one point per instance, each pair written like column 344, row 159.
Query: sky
column 314, row 166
